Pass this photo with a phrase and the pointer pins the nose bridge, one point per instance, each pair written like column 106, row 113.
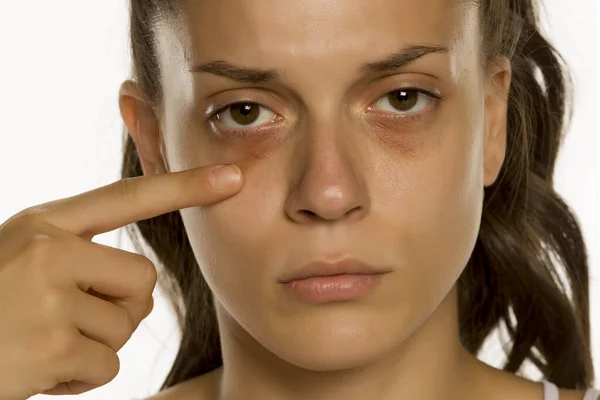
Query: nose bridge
column 330, row 184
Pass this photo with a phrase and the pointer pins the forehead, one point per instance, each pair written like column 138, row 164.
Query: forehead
column 251, row 29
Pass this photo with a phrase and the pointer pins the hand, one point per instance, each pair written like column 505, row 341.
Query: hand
column 67, row 304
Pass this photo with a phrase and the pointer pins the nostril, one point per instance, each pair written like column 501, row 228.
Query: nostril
column 355, row 210
column 310, row 215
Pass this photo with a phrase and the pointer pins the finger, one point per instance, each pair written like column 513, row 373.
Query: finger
column 129, row 200
column 104, row 321
column 125, row 279
column 128, row 278
column 70, row 388
column 150, row 308
column 91, row 364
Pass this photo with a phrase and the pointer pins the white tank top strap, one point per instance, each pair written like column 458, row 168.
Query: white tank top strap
column 551, row 392
column 592, row 394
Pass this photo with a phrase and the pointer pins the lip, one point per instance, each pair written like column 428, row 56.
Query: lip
column 321, row 268
column 325, row 289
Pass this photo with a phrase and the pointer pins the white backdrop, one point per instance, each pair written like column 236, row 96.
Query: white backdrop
column 61, row 66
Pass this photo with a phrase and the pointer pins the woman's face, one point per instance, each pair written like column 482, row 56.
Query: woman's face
column 337, row 161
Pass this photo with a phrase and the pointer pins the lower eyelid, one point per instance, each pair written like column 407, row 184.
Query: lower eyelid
column 244, row 132
column 214, row 117
column 391, row 121
column 433, row 103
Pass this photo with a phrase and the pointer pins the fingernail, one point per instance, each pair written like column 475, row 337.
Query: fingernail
column 225, row 177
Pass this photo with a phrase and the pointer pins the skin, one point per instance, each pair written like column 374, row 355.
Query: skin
column 335, row 172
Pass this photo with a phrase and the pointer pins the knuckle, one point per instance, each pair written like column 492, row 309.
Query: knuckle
column 43, row 254
column 61, row 343
column 126, row 323
column 40, row 247
column 43, row 249
column 147, row 271
column 54, row 306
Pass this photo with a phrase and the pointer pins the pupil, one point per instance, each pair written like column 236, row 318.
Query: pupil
column 246, row 109
column 403, row 100
column 245, row 113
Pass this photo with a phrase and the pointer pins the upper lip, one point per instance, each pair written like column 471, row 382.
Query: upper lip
column 323, row 268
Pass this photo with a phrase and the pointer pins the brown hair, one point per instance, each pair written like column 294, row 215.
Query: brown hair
column 528, row 237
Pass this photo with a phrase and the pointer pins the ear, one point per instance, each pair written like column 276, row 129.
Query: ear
column 143, row 126
column 496, row 106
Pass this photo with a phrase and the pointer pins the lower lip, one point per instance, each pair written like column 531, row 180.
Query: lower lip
column 334, row 288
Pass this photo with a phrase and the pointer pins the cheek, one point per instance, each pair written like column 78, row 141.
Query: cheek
column 434, row 206
column 235, row 240
column 450, row 191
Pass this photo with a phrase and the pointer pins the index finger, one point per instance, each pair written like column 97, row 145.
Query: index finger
column 134, row 199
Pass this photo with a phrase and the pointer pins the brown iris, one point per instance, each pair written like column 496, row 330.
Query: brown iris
column 244, row 113
column 403, row 100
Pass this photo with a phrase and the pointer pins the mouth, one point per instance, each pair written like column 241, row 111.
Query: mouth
column 333, row 288
column 321, row 268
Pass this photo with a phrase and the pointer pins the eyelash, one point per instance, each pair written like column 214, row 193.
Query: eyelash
column 410, row 118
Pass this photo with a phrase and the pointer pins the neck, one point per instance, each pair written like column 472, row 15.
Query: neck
column 429, row 364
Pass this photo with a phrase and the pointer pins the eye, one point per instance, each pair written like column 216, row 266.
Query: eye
column 244, row 115
column 405, row 101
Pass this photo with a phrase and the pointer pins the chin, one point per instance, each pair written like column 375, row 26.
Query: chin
column 340, row 355
column 337, row 341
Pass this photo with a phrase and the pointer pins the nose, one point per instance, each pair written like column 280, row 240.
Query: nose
column 329, row 183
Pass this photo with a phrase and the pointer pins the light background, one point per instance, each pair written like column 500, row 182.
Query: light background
column 60, row 130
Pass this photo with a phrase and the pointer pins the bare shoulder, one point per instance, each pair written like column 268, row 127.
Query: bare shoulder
column 569, row 394
column 496, row 384
column 199, row 388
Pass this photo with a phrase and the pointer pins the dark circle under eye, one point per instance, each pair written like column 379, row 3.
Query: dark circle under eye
column 244, row 113
column 403, row 100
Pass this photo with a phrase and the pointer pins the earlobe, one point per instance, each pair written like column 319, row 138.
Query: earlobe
column 497, row 89
column 142, row 124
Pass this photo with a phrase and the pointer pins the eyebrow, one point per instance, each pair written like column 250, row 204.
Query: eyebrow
column 258, row 75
